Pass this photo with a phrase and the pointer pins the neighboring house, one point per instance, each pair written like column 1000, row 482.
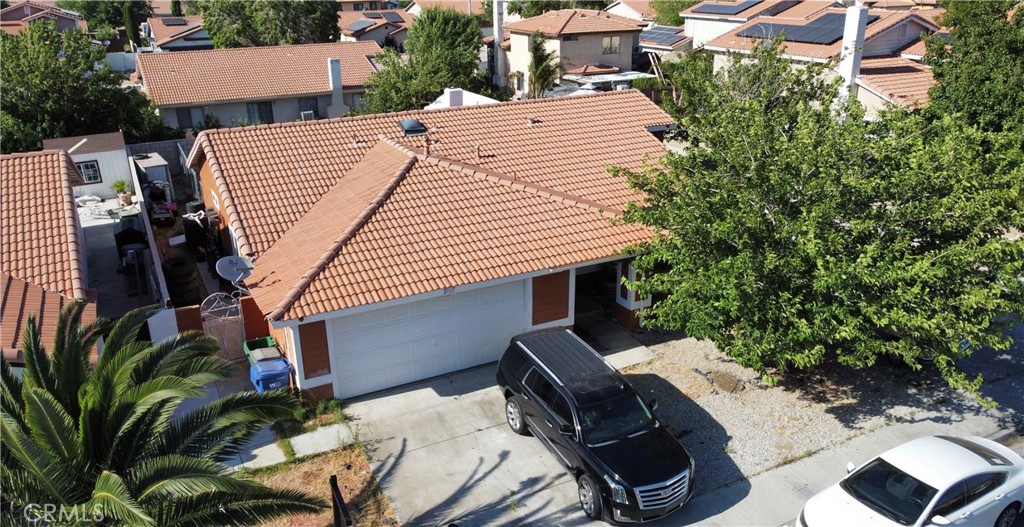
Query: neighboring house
column 175, row 33
column 475, row 7
column 659, row 40
column 265, row 85
column 101, row 159
column 376, row 26
column 365, row 5
column 708, row 20
column 578, row 37
column 635, row 9
column 394, row 247
column 882, row 77
column 455, row 97
column 16, row 17
column 42, row 257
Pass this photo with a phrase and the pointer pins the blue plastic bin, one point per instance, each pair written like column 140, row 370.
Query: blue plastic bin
column 270, row 374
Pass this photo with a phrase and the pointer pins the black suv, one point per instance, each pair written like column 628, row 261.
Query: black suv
column 627, row 466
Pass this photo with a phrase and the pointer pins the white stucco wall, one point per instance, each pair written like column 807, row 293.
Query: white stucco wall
column 113, row 166
column 573, row 53
column 285, row 110
column 704, row 31
column 624, row 10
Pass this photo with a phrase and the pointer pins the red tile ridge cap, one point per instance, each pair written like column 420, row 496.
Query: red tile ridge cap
column 71, row 226
column 234, row 219
column 516, row 184
column 332, row 252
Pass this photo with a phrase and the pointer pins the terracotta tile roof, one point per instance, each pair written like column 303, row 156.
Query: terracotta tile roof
column 18, row 300
column 91, row 144
column 640, row 6
column 164, row 33
column 934, row 15
column 913, row 51
column 48, row 10
column 476, row 6
column 406, row 224
column 44, row 6
column 890, row 4
column 731, row 41
column 575, row 21
column 347, row 18
column 781, row 8
column 490, row 171
column 39, row 223
column 901, row 81
column 593, row 69
column 245, row 74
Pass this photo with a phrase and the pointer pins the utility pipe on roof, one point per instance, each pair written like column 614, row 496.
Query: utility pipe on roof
column 853, row 48
column 498, row 20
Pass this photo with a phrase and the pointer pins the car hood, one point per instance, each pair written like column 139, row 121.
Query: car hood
column 834, row 507
column 648, row 458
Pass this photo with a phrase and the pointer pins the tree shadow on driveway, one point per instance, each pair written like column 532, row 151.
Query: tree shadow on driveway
column 702, row 435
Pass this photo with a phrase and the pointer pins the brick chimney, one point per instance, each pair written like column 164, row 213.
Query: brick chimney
column 337, row 107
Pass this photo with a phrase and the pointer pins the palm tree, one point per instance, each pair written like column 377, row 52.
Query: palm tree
column 107, row 441
column 544, row 67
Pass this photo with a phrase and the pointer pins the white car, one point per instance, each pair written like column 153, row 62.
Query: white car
column 940, row 480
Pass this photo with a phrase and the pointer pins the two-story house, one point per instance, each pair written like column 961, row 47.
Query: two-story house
column 260, row 85
column 579, row 38
column 175, row 33
column 635, row 9
column 390, row 27
column 16, row 17
column 709, row 20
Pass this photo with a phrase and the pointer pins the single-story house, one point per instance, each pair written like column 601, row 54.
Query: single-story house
column 710, row 19
column 100, row 158
column 42, row 257
column 394, row 247
column 175, row 33
column 880, row 76
column 378, row 26
column 265, row 85
column 578, row 37
column 16, row 17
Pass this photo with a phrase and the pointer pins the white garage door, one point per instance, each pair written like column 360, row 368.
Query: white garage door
column 388, row 347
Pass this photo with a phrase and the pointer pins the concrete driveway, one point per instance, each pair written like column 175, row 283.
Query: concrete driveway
column 443, row 453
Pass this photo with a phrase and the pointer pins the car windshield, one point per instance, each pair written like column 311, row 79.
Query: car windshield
column 889, row 491
column 613, row 418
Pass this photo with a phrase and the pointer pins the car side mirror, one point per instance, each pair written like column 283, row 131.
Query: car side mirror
column 566, row 430
column 850, row 466
column 938, row 519
column 653, row 403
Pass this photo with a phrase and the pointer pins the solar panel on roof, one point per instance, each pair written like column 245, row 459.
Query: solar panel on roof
column 359, row 25
column 725, row 9
column 372, row 14
column 175, row 21
column 825, row 29
column 393, row 17
column 662, row 35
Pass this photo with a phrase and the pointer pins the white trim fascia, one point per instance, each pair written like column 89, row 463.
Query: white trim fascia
column 438, row 293
column 300, row 374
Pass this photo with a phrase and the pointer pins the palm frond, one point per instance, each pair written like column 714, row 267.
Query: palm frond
column 172, row 477
column 37, row 363
column 10, row 393
column 51, row 476
column 173, row 356
column 258, row 505
column 53, row 429
column 112, row 499
column 125, row 331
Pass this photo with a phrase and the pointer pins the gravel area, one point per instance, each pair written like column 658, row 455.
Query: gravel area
column 736, row 426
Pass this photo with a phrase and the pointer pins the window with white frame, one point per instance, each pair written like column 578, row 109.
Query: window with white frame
column 90, row 171
column 610, row 45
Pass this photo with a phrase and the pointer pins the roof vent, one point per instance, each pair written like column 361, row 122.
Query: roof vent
column 412, row 127
column 532, row 121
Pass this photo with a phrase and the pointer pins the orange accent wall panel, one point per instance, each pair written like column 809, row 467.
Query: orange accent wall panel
column 322, row 393
column 189, row 318
column 316, row 359
column 256, row 325
column 550, row 297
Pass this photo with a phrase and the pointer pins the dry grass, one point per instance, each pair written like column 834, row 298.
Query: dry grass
column 358, row 485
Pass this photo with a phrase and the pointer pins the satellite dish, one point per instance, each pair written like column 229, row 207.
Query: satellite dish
column 234, row 268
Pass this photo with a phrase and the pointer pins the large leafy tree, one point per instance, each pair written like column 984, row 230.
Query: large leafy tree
column 109, row 12
column 57, row 84
column 666, row 12
column 245, row 23
column 987, row 52
column 791, row 230
column 443, row 52
column 110, row 442
column 544, row 67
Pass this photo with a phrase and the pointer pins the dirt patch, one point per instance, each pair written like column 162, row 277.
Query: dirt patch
column 358, row 485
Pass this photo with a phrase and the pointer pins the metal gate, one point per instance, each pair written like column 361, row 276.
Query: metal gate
column 222, row 318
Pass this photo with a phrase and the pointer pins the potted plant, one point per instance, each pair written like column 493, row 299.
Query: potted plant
column 120, row 187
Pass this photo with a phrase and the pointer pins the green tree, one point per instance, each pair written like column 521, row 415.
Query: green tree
column 443, row 52
column 245, row 23
column 176, row 8
column 54, row 88
column 544, row 67
column 532, row 8
column 666, row 12
column 110, row 12
column 791, row 230
column 987, row 51
column 110, row 441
